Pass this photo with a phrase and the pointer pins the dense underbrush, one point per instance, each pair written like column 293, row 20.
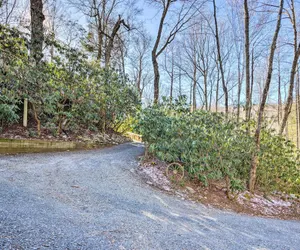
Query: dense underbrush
column 212, row 147
column 66, row 91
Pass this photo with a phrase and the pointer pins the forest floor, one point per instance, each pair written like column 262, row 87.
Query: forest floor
column 274, row 205
column 17, row 131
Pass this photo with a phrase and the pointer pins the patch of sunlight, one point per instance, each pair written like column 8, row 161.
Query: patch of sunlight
column 161, row 200
column 174, row 214
column 209, row 218
column 200, row 233
column 247, row 235
column 203, row 218
column 153, row 217
column 187, row 228
column 203, row 223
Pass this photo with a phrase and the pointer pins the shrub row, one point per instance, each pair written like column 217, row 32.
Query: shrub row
column 69, row 92
column 212, row 147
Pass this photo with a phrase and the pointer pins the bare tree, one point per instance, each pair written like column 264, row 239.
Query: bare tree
column 262, row 105
column 205, row 61
column 169, row 67
column 225, row 90
column 106, row 18
column 7, row 8
column 188, row 64
column 288, row 105
column 54, row 20
column 183, row 16
column 138, row 58
column 247, row 59
column 111, row 39
column 235, row 16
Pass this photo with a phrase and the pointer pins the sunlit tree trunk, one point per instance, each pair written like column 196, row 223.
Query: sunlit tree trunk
column 220, row 57
column 155, row 49
column 289, row 102
column 279, row 108
column 247, row 59
column 297, row 110
column 262, row 105
column 111, row 39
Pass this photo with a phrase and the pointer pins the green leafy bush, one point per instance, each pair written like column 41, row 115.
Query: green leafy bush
column 8, row 111
column 8, row 114
column 212, row 147
column 71, row 92
column 279, row 164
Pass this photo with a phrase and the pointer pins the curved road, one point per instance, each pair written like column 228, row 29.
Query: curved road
column 94, row 200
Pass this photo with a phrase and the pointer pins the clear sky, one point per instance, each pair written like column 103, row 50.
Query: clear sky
column 150, row 17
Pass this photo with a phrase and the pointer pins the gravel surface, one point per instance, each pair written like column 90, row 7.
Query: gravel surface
column 95, row 200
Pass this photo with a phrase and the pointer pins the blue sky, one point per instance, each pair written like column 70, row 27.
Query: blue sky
column 150, row 17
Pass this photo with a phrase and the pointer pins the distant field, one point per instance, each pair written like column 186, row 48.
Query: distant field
column 292, row 126
column 271, row 113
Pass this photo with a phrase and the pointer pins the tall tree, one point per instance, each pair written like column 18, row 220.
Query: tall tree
column 220, row 60
column 169, row 67
column 297, row 109
column 263, row 101
column 288, row 105
column 183, row 16
column 36, row 50
column 37, row 29
column 235, row 16
column 105, row 20
column 138, row 59
column 247, row 59
column 111, row 39
column 7, row 9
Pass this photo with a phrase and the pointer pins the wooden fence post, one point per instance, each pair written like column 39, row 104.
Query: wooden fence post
column 25, row 113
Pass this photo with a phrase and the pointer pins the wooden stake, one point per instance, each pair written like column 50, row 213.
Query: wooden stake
column 25, row 113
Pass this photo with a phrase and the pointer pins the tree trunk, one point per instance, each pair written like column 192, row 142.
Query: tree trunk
column 205, row 91
column 139, row 77
column 194, row 103
column 37, row 29
column 217, row 89
column 297, row 108
column 37, row 40
column 154, row 51
column 172, row 79
column 288, row 105
column 239, row 90
column 279, row 111
column 220, row 58
column 100, row 41
column 254, row 161
column 111, row 40
column 252, row 82
column 179, row 83
column 156, row 78
column 247, row 58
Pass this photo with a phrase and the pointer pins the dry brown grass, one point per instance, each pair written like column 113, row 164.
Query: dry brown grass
column 271, row 114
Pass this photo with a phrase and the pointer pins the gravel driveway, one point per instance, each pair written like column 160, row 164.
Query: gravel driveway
column 94, row 200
